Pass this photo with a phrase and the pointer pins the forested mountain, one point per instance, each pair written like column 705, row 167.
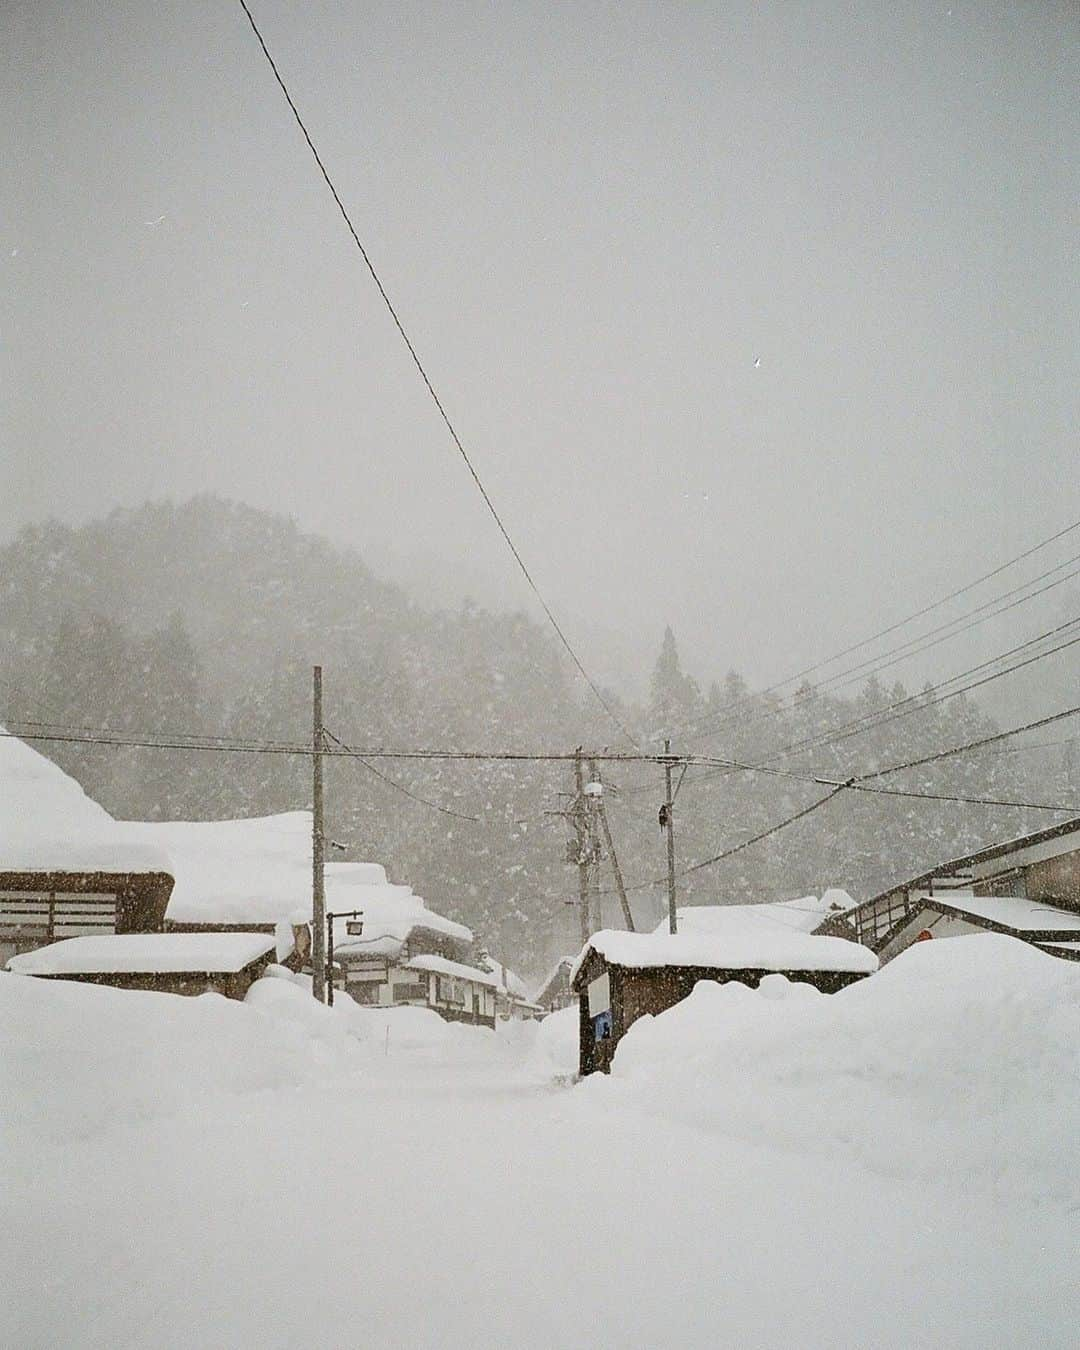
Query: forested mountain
column 207, row 617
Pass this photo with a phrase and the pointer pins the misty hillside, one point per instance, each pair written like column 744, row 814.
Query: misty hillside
column 206, row 617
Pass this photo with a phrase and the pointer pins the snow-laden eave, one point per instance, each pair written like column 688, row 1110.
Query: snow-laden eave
column 193, row 954
column 780, row 952
column 439, row 965
column 988, row 854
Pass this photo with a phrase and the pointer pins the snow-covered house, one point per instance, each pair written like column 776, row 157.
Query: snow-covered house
column 512, row 995
column 406, row 953
column 66, row 867
column 1028, row 888
column 254, row 875
column 554, row 992
column 621, row 976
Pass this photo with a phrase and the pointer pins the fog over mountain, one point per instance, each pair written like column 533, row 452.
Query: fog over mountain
column 757, row 319
column 206, row 617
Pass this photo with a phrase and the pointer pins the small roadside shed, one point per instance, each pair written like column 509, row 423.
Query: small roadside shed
column 169, row 963
column 620, row 977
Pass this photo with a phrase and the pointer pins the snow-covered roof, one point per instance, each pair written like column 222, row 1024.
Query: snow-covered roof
column 145, row 954
column 391, row 914
column 49, row 824
column 441, row 966
column 1011, row 911
column 786, row 916
column 564, row 962
column 768, row 950
column 259, row 871
column 508, row 980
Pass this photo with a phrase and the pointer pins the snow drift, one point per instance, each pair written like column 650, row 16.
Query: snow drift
column 960, row 1060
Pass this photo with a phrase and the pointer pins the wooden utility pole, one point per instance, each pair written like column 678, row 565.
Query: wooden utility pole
column 628, row 917
column 318, row 888
column 596, row 907
column 581, row 820
column 669, row 823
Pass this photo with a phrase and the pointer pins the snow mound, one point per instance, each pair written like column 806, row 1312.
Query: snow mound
column 554, row 1054
column 82, row 1058
column 960, row 1059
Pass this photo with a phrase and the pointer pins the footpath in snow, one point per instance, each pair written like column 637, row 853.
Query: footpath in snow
column 888, row 1166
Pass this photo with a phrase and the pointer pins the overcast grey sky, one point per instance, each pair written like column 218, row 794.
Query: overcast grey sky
column 757, row 318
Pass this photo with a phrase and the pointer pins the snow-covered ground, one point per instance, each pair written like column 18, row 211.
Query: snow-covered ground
column 892, row 1166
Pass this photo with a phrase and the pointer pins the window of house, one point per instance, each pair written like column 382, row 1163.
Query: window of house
column 411, row 991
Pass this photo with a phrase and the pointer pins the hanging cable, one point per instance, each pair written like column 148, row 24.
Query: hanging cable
column 393, row 782
column 875, row 665
column 430, row 386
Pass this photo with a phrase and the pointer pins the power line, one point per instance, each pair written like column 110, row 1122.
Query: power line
column 1038, row 745
column 914, row 702
column 971, row 745
column 856, row 784
column 393, row 782
column 904, row 707
column 223, row 745
column 892, row 628
column 746, row 843
column 207, row 739
column 913, row 647
column 430, row 387
column 966, row 801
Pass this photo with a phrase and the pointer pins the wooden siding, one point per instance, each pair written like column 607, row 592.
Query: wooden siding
column 636, row 993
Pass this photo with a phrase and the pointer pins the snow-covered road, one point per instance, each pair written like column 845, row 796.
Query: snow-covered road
column 450, row 1194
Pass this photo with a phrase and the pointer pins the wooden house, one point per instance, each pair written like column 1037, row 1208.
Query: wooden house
column 554, row 992
column 620, row 976
column 512, row 1002
column 406, row 955
column 66, row 867
column 171, row 963
column 1028, row 888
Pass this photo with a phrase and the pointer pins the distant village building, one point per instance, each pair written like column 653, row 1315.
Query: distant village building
column 512, row 1001
column 554, row 992
column 409, row 955
column 621, row 976
column 1028, row 888
column 171, row 963
column 251, row 875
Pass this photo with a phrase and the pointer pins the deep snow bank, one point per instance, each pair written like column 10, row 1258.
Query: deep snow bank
column 960, row 1059
column 78, row 1059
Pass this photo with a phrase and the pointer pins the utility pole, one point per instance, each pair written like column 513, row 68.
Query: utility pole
column 601, row 810
column 667, row 817
column 581, row 824
column 592, row 795
column 318, row 888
